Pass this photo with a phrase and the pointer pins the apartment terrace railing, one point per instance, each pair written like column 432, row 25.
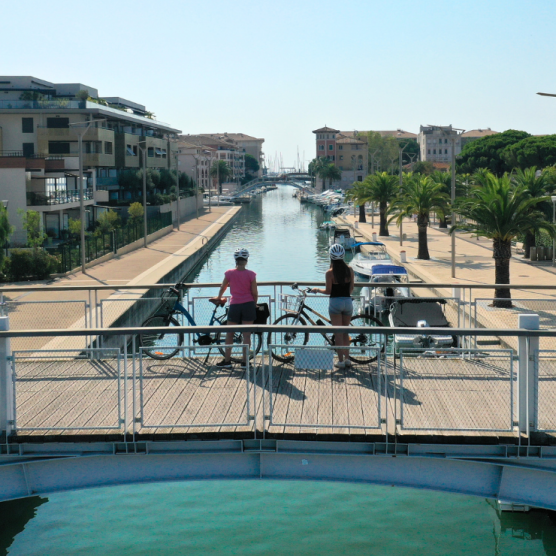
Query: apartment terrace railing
column 62, row 197
column 22, row 154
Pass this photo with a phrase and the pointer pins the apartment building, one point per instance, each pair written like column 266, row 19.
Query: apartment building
column 346, row 150
column 249, row 145
column 217, row 147
column 474, row 134
column 194, row 159
column 39, row 157
column 435, row 142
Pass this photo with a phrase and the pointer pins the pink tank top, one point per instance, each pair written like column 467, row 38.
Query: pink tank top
column 240, row 285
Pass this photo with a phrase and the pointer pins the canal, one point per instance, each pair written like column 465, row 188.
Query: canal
column 269, row 517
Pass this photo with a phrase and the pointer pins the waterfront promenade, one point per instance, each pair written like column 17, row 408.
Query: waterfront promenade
column 34, row 309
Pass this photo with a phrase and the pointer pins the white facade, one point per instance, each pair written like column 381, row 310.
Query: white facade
column 435, row 143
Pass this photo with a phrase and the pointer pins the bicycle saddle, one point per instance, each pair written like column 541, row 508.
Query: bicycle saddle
column 218, row 302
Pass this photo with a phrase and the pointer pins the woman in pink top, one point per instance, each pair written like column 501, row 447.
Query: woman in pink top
column 243, row 287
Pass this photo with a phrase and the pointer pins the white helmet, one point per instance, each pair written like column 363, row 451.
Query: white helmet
column 241, row 253
column 337, row 252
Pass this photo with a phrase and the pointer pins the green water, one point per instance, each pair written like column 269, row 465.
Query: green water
column 272, row 518
column 268, row 517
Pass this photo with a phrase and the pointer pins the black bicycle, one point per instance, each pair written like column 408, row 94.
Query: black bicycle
column 166, row 345
column 297, row 313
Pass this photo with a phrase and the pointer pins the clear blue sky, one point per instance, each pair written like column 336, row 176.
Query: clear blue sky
column 280, row 69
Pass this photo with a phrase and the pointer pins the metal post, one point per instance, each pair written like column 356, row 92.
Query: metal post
column 7, row 402
column 145, row 227
column 401, row 181
column 81, row 200
column 453, row 198
column 554, row 222
column 527, row 374
column 177, row 191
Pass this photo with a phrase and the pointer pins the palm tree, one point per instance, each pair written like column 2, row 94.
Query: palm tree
column 329, row 171
column 421, row 195
column 537, row 187
column 359, row 194
column 222, row 171
column 445, row 180
column 502, row 211
column 382, row 189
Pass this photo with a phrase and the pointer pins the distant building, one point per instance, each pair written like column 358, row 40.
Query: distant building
column 435, row 143
column 39, row 149
column 474, row 134
column 250, row 145
column 347, row 151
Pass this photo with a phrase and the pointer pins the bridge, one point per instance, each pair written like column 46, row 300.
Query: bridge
column 84, row 406
column 296, row 180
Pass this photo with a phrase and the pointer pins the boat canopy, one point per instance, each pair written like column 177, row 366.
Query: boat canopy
column 408, row 312
column 368, row 243
column 388, row 269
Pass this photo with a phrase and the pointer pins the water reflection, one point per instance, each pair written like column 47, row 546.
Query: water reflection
column 14, row 516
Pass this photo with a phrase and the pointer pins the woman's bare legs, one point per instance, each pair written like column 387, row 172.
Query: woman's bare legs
column 229, row 342
column 247, row 341
column 337, row 320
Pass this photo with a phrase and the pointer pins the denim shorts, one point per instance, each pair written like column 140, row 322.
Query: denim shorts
column 340, row 306
column 240, row 312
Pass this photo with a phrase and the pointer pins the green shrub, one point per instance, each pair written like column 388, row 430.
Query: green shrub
column 30, row 264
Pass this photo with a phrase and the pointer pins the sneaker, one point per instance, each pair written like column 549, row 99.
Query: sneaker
column 347, row 363
column 339, row 365
column 224, row 364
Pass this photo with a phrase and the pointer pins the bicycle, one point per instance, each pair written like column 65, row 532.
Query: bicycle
column 297, row 313
column 166, row 345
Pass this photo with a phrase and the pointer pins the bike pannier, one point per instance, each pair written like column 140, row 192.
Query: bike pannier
column 263, row 313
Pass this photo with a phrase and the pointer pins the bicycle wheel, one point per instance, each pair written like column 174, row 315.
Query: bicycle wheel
column 237, row 357
column 370, row 344
column 161, row 346
column 283, row 340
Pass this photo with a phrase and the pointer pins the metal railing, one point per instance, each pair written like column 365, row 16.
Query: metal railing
column 59, row 197
column 432, row 391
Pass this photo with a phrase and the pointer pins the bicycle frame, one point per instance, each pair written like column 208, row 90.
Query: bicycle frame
column 179, row 308
column 303, row 312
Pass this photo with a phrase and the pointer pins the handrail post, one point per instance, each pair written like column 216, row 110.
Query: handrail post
column 527, row 375
column 6, row 382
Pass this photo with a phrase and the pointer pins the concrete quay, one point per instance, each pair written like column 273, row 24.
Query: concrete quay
column 474, row 266
column 165, row 260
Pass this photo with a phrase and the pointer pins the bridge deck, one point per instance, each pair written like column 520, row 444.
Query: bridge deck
column 430, row 397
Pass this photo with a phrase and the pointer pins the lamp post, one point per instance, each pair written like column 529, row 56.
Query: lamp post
column 553, row 199
column 194, row 169
column 143, row 150
column 177, row 188
column 81, row 129
column 453, row 199
column 209, row 160
column 401, row 183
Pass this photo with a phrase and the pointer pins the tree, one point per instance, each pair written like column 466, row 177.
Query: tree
column 445, row 181
column 501, row 211
column 421, row 195
column 537, row 186
column 136, row 212
column 32, row 225
column 382, row 150
column 221, row 171
column 82, row 94
column 74, row 227
column 107, row 222
column 131, row 180
column 359, row 194
column 382, row 189
column 251, row 164
column 425, row 167
column 5, row 232
column 486, row 152
column 329, row 171
column 316, row 165
column 410, row 147
column 532, row 151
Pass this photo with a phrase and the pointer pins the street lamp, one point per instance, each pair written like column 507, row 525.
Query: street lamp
column 144, row 155
column 401, row 183
column 194, row 170
column 81, row 129
column 453, row 198
column 553, row 199
column 209, row 160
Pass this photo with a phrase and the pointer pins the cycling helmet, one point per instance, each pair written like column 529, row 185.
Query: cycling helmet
column 337, row 252
column 241, row 253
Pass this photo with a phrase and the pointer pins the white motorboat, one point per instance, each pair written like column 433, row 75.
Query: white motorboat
column 364, row 261
column 379, row 299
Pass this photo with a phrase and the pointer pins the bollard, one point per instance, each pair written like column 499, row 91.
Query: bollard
column 540, row 253
column 6, row 381
column 527, row 392
column 374, row 236
column 403, row 258
column 533, row 254
column 356, row 225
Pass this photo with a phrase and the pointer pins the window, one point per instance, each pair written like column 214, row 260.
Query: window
column 27, row 125
column 107, row 147
column 359, row 178
column 341, row 157
column 340, row 147
column 163, row 153
column 57, row 123
column 58, row 147
column 434, row 151
column 321, row 147
column 93, row 147
column 445, row 151
column 28, row 148
column 131, row 150
column 445, row 141
column 150, row 152
column 158, row 153
column 429, row 151
column 330, row 148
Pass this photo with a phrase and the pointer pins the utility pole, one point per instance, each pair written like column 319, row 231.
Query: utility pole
column 401, row 183
column 81, row 129
column 177, row 188
column 453, row 199
column 143, row 150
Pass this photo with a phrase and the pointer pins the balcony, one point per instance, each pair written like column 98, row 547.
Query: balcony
column 60, row 197
column 59, row 104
